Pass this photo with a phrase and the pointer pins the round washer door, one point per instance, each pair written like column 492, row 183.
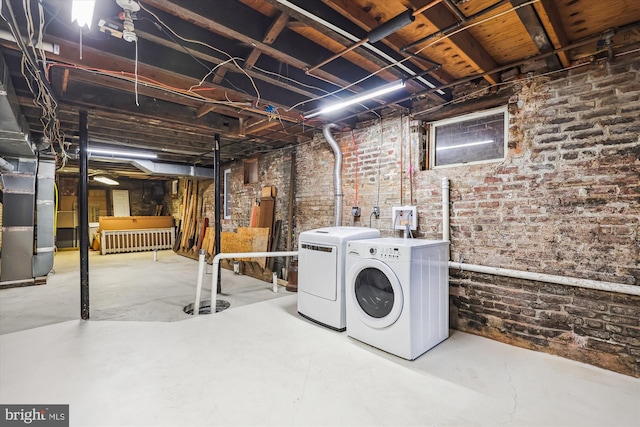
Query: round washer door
column 376, row 293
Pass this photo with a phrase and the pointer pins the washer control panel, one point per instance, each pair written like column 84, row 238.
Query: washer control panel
column 381, row 252
column 390, row 253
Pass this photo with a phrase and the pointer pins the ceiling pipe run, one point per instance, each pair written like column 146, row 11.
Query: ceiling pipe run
column 164, row 169
column 337, row 172
column 356, row 39
column 6, row 166
column 455, row 26
column 375, row 35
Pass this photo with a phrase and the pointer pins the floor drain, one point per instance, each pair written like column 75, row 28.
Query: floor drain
column 205, row 306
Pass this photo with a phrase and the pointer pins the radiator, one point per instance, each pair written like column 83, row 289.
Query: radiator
column 119, row 241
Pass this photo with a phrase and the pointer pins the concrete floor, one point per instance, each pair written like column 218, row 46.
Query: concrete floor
column 123, row 287
column 262, row 364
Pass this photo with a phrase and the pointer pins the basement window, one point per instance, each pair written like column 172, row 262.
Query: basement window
column 469, row 139
column 227, row 194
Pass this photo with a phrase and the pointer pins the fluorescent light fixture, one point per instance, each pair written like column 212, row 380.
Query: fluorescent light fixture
column 105, row 180
column 82, row 12
column 120, row 154
column 468, row 144
column 359, row 98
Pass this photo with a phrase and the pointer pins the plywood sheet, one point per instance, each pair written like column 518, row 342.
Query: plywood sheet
column 135, row 222
column 68, row 203
column 246, row 240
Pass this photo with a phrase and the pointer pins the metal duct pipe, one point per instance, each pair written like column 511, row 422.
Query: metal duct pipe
column 5, row 166
column 18, row 193
column 165, row 169
column 337, row 172
column 375, row 35
column 391, row 26
column 45, row 212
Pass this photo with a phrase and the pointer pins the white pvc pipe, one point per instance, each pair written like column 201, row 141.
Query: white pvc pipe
column 528, row 275
column 196, row 306
column 445, row 209
column 216, row 267
column 549, row 278
column 275, row 282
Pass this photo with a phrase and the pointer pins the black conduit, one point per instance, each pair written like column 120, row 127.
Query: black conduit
column 216, row 203
column 83, row 217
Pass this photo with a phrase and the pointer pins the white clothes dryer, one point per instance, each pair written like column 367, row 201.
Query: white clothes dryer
column 397, row 294
column 321, row 270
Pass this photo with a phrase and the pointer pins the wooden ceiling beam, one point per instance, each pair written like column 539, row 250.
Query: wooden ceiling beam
column 260, row 125
column 548, row 13
column 344, row 41
column 217, row 27
column 130, row 133
column 464, row 43
column 274, row 30
column 224, row 66
column 534, row 27
column 365, row 21
column 81, row 76
column 204, row 110
column 191, row 126
column 102, row 60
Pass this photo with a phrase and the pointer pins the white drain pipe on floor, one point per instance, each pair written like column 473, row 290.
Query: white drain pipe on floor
column 216, row 267
column 528, row 275
column 201, row 263
column 550, row 278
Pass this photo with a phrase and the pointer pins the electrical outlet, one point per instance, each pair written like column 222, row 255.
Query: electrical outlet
column 355, row 211
column 376, row 212
column 403, row 216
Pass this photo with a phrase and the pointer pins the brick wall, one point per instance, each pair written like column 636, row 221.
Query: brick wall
column 596, row 327
column 273, row 171
column 374, row 149
column 565, row 201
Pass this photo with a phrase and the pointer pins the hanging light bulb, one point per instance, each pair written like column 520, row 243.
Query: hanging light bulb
column 82, row 12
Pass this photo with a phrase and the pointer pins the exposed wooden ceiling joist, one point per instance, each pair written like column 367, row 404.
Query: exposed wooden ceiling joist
column 531, row 22
column 187, row 45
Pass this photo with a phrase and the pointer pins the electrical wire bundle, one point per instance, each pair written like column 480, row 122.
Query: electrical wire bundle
column 33, row 63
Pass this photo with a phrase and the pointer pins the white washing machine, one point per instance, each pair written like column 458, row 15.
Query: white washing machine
column 397, row 294
column 321, row 270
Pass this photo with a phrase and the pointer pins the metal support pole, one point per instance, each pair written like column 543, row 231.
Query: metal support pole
column 83, row 213
column 217, row 208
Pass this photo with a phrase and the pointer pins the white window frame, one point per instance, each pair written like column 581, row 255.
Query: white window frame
column 472, row 116
column 227, row 194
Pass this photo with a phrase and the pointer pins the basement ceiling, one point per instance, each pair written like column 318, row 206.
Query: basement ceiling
column 251, row 70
